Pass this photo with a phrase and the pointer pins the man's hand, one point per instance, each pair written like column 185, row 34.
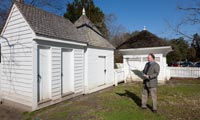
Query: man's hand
column 146, row 76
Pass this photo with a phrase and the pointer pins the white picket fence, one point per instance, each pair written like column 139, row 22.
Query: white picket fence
column 184, row 72
column 179, row 72
column 119, row 76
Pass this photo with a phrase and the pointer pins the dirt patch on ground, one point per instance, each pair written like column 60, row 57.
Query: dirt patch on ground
column 10, row 113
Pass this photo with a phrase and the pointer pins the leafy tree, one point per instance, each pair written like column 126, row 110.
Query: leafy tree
column 196, row 44
column 180, row 47
column 116, row 40
column 196, row 41
column 94, row 13
column 191, row 54
column 173, row 57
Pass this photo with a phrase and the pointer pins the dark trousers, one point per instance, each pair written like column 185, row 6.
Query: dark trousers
column 145, row 93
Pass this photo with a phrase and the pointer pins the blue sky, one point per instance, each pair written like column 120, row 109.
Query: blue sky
column 134, row 14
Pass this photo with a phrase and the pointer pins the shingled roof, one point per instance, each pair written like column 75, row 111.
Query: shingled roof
column 49, row 25
column 143, row 39
column 91, row 33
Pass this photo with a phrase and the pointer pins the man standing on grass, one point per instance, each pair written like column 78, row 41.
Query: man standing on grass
column 151, row 71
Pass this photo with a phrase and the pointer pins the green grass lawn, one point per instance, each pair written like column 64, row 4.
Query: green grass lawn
column 177, row 100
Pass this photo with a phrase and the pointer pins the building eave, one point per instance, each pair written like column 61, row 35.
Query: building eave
column 59, row 40
column 141, row 51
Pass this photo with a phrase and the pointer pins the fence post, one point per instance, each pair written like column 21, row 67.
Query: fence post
column 115, row 77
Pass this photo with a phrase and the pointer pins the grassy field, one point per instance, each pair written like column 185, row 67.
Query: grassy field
column 177, row 100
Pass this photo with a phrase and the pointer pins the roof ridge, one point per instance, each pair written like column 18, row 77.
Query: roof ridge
column 44, row 23
column 31, row 6
column 90, row 24
column 96, row 39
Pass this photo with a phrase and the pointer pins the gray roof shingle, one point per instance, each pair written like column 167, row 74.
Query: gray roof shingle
column 143, row 39
column 91, row 33
column 49, row 25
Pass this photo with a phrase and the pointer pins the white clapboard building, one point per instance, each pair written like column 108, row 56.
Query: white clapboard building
column 99, row 59
column 45, row 59
column 135, row 51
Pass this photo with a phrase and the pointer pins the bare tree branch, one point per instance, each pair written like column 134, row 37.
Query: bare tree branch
column 177, row 30
column 189, row 9
column 192, row 17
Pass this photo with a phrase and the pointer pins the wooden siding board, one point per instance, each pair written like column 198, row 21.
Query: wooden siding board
column 78, row 70
column 16, row 74
column 56, row 72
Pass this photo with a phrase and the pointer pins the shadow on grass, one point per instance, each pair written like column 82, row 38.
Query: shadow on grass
column 134, row 97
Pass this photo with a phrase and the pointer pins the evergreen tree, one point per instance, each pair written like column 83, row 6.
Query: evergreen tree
column 180, row 53
column 196, row 44
column 94, row 13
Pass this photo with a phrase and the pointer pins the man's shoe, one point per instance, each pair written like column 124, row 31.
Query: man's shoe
column 154, row 111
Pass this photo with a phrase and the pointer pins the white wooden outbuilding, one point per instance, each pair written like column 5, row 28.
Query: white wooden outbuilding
column 135, row 51
column 135, row 59
column 46, row 59
column 99, row 56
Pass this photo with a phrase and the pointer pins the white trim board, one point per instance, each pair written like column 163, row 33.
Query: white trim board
column 58, row 40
